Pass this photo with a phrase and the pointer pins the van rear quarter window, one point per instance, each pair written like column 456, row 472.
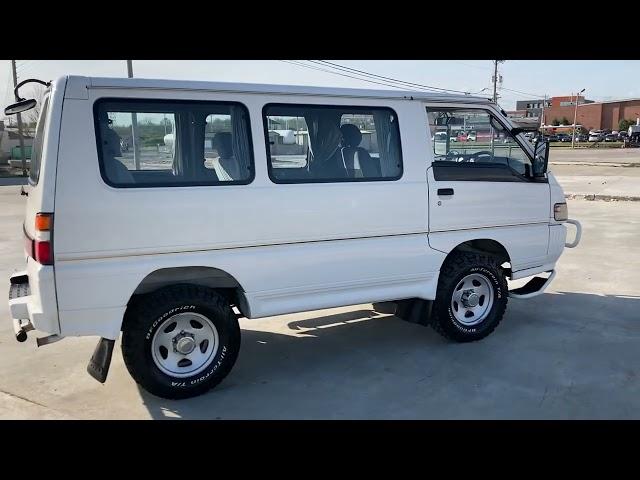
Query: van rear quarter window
column 144, row 143
column 313, row 143
column 36, row 153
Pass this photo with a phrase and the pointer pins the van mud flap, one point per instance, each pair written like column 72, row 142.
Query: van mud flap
column 100, row 361
column 412, row 310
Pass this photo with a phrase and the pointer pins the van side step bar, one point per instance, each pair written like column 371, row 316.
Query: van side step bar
column 533, row 287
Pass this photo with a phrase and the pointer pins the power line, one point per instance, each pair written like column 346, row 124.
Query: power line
column 337, row 73
column 524, row 93
column 386, row 80
column 369, row 74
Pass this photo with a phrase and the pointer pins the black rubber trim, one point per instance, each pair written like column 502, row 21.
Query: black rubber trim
column 100, row 361
column 476, row 172
column 19, row 279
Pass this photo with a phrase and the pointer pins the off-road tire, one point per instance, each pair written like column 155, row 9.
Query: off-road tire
column 146, row 315
column 453, row 271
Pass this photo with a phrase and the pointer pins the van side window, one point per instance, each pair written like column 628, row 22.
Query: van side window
column 173, row 143
column 312, row 143
column 36, row 154
column 470, row 144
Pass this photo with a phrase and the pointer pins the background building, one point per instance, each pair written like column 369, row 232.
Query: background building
column 593, row 115
column 532, row 108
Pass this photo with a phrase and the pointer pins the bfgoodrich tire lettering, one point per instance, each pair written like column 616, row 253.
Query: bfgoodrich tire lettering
column 146, row 316
column 475, row 266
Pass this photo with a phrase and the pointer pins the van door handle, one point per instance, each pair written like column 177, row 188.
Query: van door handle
column 445, row 191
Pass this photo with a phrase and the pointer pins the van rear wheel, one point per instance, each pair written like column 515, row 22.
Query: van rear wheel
column 180, row 341
column 471, row 298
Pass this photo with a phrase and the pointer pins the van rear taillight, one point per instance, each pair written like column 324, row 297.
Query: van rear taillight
column 44, row 222
column 43, row 253
column 41, row 250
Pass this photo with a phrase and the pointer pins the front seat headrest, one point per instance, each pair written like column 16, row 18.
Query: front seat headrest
column 222, row 142
column 351, row 135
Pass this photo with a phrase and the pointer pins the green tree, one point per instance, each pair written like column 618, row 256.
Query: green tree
column 555, row 122
column 565, row 121
column 623, row 125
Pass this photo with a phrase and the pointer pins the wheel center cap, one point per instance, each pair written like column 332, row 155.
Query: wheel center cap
column 470, row 299
column 185, row 345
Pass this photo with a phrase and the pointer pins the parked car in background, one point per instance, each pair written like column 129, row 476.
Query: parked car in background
column 440, row 137
column 611, row 137
column 622, row 135
column 472, row 137
column 581, row 137
column 595, row 137
column 552, row 138
column 564, row 137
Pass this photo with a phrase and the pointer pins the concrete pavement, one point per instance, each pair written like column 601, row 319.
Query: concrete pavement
column 598, row 187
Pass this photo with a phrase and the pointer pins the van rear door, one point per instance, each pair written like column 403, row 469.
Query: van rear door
column 41, row 303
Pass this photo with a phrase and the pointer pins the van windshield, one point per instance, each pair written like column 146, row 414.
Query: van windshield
column 36, row 154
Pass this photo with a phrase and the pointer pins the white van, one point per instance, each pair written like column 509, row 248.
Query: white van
column 168, row 244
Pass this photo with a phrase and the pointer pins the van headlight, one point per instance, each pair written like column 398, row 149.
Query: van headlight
column 560, row 212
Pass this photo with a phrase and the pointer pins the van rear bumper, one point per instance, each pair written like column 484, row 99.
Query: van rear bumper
column 32, row 301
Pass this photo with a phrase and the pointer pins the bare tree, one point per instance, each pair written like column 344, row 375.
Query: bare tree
column 29, row 126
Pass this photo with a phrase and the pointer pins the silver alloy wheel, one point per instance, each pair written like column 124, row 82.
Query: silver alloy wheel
column 184, row 344
column 472, row 299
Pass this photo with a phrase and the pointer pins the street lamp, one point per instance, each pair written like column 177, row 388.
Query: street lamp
column 575, row 117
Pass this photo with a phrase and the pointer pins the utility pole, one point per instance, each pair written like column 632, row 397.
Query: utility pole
column 496, row 79
column 22, row 154
column 134, row 124
column 544, row 104
column 575, row 117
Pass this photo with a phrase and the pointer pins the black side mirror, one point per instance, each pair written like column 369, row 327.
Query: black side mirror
column 21, row 106
column 541, row 157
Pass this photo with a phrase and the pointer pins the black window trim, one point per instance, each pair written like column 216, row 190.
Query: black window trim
column 161, row 101
column 467, row 173
column 327, row 180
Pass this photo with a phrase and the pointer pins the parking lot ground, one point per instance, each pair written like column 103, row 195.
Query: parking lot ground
column 571, row 353
column 601, row 180
column 595, row 155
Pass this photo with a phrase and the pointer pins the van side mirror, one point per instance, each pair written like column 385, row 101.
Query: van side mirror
column 541, row 157
column 19, row 107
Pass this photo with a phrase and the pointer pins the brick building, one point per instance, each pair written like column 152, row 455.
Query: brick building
column 592, row 115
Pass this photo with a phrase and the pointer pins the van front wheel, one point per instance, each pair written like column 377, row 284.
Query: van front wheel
column 471, row 298
column 180, row 341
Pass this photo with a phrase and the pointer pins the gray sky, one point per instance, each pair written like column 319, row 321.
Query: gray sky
column 603, row 79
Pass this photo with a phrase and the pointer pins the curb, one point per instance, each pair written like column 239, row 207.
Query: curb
column 597, row 164
column 606, row 198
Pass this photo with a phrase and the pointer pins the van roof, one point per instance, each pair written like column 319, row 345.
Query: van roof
column 147, row 83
